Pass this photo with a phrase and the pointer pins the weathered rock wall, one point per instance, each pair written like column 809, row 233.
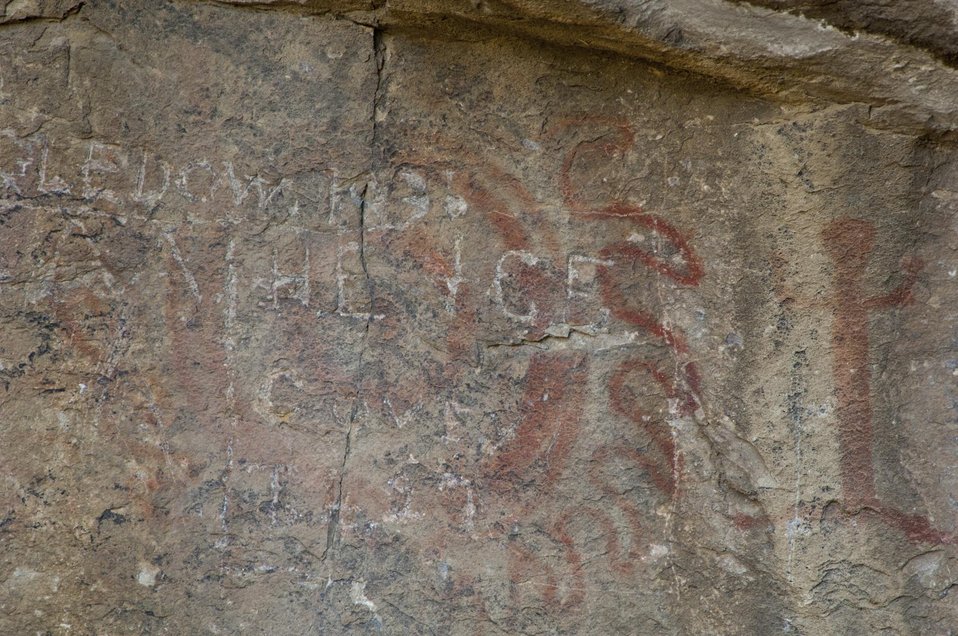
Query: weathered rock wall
column 474, row 318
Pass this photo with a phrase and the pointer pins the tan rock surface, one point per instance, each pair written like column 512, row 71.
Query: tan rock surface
column 430, row 317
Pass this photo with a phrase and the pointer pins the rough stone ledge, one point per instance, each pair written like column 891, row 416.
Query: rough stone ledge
column 908, row 83
column 907, row 86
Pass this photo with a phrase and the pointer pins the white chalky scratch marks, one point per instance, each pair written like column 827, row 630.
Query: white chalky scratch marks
column 187, row 274
column 346, row 305
column 183, row 180
column 232, row 296
column 453, row 282
column 357, row 594
column 264, row 194
column 300, row 282
column 10, row 179
column 98, row 161
column 230, row 290
column 55, row 185
column 151, row 198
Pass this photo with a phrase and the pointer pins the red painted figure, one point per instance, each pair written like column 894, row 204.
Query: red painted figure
column 849, row 244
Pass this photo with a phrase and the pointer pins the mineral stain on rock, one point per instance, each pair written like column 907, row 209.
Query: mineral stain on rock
column 429, row 317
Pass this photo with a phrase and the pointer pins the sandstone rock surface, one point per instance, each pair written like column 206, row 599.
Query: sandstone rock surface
column 478, row 317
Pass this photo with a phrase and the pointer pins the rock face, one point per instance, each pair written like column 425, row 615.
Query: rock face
column 436, row 317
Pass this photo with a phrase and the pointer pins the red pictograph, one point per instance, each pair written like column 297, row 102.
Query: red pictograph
column 522, row 475
column 661, row 461
column 849, row 244
column 555, row 382
column 625, row 255
column 621, row 261
column 551, row 407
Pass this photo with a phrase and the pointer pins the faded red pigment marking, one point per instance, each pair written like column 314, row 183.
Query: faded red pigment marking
column 849, row 243
column 622, row 254
column 902, row 295
column 624, row 138
column 508, row 226
column 693, row 379
column 619, row 562
column 548, row 428
column 662, row 472
column 748, row 522
column 420, row 248
column 626, row 252
column 525, row 206
column 602, row 458
column 619, row 306
column 196, row 354
column 538, row 283
column 574, row 560
column 551, row 408
column 68, row 307
column 499, row 196
column 694, row 270
column 527, row 567
column 664, row 464
column 916, row 527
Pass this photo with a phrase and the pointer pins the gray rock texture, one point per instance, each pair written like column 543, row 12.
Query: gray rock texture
column 478, row 317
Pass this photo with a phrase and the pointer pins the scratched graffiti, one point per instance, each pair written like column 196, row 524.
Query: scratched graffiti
column 540, row 298
column 538, row 290
column 493, row 376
